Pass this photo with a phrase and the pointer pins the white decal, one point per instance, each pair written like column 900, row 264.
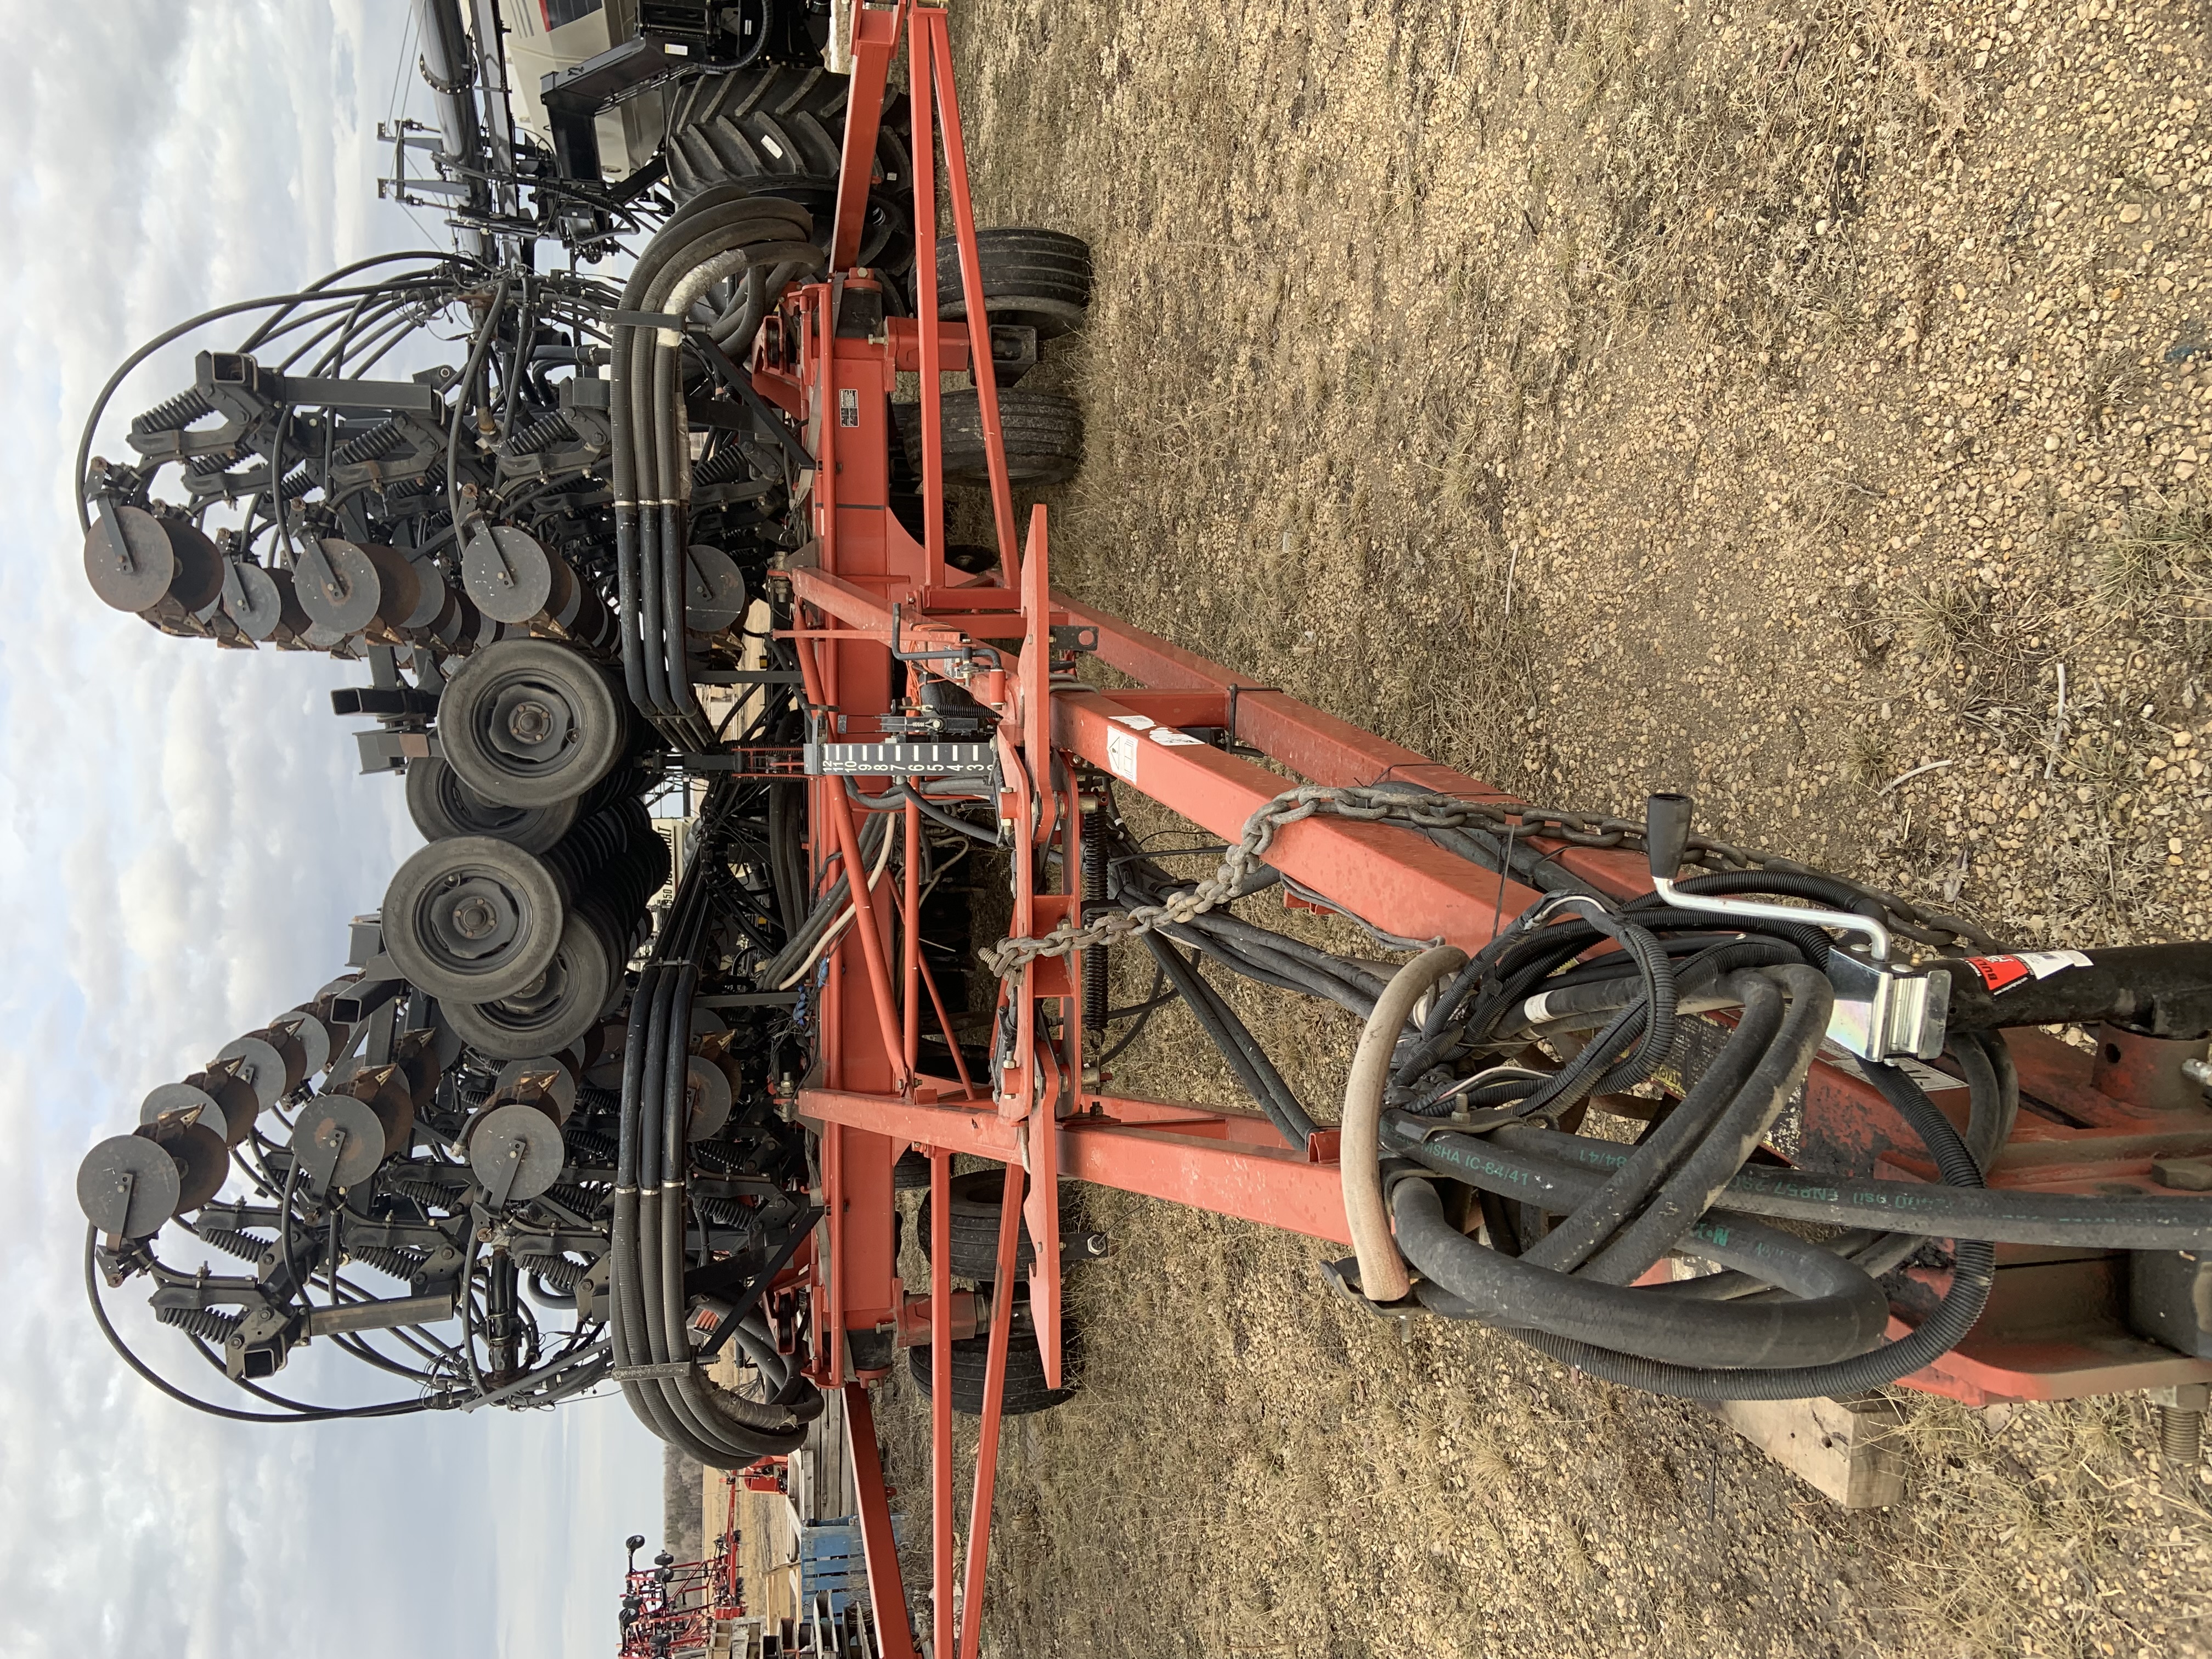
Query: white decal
column 1122, row 755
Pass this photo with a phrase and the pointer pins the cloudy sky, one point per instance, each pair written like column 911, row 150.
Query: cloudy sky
column 182, row 837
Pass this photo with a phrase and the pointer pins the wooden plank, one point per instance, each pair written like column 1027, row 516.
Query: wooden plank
column 1847, row 1450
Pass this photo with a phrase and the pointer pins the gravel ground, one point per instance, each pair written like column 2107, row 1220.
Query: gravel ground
column 1805, row 407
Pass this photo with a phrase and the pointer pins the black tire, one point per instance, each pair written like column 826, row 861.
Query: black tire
column 911, row 1173
column 974, row 1228
column 1038, row 279
column 550, row 1013
column 1043, row 433
column 531, row 723
column 1026, row 1394
column 972, row 557
column 782, row 131
column 472, row 919
column 443, row 806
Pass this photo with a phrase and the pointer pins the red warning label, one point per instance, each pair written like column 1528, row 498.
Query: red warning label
column 2003, row 973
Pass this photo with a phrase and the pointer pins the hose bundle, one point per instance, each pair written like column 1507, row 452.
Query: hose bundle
column 1570, row 1223
column 720, row 235
column 720, row 1429
column 1462, row 1161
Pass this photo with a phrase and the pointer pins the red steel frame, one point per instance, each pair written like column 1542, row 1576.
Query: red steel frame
column 2051, row 1330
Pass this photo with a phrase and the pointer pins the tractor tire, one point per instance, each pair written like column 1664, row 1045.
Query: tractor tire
column 1043, row 433
column 782, row 131
column 564, row 1003
column 1038, row 279
column 1026, row 1395
column 976, row 1209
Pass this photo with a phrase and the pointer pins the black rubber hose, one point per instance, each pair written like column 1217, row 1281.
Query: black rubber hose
column 1944, row 1329
column 1595, row 1222
column 1988, row 1131
column 686, row 1394
column 899, row 795
column 749, row 1430
column 1999, row 1215
column 1837, row 1311
column 1249, row 936
column 1223, row 1029
column 630, row 1326
column 1689, row 1191
column 1553, row 1007
column 1282, row 971
column 685, row 1426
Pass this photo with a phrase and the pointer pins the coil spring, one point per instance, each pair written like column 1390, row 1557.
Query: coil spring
column 373, row 445
column 561, row 1273
column 205, row 1323
column 721, row 468
column 245, row 1246
column 421, row 1189
column 722, row 1211
column 546, row 429
column 175, row 415
column 1094, row 956
column 581, row 1199
column 718, row 1157
column 297, row 483
column 590, row 1143
column 400, row 1264
column 201, row 466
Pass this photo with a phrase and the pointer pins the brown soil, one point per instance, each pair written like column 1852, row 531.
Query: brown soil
column 1803, row 407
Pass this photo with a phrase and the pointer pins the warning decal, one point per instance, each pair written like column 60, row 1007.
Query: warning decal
column 2003, row 973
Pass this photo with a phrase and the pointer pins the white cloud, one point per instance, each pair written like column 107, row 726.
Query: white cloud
column 183, row 837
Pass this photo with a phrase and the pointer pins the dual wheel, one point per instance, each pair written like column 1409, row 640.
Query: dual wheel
column 973, row 1218
column 531, row 733
column 1037, row 280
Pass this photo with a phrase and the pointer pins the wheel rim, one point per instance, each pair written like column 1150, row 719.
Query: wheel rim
column 529, row 721
column 467, row 921
column 477, row 817
column 473, row 919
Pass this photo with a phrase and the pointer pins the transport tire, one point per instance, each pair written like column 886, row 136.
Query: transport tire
column 531, row 723
column 1026, row 1394
column 1038, row 279
column 443, row 806
column 1043, row 433
column 974, row 1228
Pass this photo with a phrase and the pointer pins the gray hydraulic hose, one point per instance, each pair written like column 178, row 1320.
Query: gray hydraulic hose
column 1383, row 1276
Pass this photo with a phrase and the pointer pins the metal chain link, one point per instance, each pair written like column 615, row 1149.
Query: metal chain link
column 1388, row 804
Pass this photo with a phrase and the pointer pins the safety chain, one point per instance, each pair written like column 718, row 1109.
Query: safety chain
column 1422, row 812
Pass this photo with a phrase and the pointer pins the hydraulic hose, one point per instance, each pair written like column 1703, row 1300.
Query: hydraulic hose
column 1937, row 1334
column 648, row 1011
column 1595, row 1220
column 1837, row 1311
column 1383, row 1276
column 1227, row 1033
column 1742, row 1124
column 1998, row 1215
